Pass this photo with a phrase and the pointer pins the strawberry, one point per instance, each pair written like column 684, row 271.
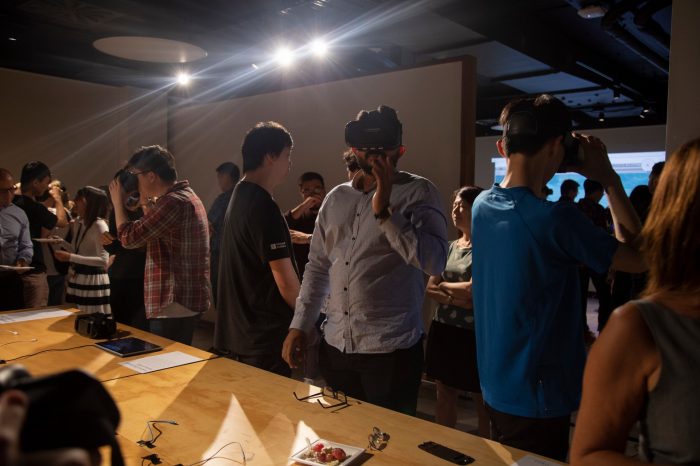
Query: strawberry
column 339, row 454
column 317, row 447
column 322, row 457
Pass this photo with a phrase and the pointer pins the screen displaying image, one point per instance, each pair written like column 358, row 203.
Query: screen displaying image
column 633, row 168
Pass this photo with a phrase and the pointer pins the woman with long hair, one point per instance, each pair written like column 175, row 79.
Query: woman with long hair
column 645, row 366
column 451, row 349
column 88, row 282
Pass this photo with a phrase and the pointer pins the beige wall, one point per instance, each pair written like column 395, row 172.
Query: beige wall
column 82, row 131
column 428, row 100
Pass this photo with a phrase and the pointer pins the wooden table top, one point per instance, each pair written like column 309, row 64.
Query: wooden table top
column 218, row 401
column 59, row 333
column 221, row 401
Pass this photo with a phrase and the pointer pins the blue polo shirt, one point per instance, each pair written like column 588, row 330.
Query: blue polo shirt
column 527, row 310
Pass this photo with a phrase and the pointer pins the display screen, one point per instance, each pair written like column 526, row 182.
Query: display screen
column 633, row 168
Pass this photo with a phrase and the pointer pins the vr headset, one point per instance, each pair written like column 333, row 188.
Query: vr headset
column 95, row 326
column 525, row 124
column 373, row 133
column 130, row 185
column 67, row 410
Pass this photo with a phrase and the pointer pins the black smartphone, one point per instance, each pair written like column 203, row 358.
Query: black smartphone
column 441, row 451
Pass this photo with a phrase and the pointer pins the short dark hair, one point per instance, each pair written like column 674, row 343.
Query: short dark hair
column 351, row 161
column 568, row 185
column 544, row 117
column 591, row 186
column 267, row 137
column 96, row 204
column 230, row 169
column 34, row 171
column 308, row 176
column 657, row 168
column 468, row 194
column 156, row 159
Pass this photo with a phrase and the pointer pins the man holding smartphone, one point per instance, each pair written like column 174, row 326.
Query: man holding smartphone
column 527, row 252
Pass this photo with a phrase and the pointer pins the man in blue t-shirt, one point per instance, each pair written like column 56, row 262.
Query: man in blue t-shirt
column 525, row 266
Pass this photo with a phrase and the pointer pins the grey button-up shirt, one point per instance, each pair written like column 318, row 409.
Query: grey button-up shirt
column 372, row 269
column 15, row 241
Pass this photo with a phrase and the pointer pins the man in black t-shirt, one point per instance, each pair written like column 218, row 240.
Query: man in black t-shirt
column 34, row 182
column 258, row 277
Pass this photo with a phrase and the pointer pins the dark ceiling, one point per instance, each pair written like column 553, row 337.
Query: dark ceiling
column 614, row 66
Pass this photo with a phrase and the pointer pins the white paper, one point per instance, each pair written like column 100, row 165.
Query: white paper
column 160, row 361
column 532, row 461
column 36, row 314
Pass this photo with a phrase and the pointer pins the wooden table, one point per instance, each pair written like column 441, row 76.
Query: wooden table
column 218, row 401
column 58, row 333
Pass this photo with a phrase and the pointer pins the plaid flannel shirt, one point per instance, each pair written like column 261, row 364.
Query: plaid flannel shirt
column 176, row 235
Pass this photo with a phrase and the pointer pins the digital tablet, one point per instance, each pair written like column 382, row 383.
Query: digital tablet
column 125, row 347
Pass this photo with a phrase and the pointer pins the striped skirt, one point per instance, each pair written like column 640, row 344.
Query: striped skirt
column 88, row 288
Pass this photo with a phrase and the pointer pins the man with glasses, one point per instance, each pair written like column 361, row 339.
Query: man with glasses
column 34, row 183
column 302, row 218
column 174, row 230
column 15, row 244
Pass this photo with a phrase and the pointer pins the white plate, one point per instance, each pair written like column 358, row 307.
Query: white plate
column 48, row 240
column 352, row 452
column 15, row 268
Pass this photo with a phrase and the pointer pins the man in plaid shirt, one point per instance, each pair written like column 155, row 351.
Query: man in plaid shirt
column 175, row 232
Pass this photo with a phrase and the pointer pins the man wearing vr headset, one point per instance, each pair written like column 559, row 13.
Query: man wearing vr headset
column 526, row 257
column 375, row 238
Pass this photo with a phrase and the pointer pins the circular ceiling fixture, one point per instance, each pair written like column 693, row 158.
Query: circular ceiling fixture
column 150, row 49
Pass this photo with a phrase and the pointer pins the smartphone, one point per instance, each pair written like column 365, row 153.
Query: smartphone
column 125, row 347
column 441, row 451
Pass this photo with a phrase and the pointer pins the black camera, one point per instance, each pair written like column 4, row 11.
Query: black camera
column 95, row 326
column 373, row 131
column 130, row 185
column 67, row 410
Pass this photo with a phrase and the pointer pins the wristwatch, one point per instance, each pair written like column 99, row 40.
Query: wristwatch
column 384, row 214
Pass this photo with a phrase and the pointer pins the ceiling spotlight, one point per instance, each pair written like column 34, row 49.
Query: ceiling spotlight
column 284, row 56
column 183, row 79
column 255, row 67
column 318, row 48
column 646, row 109
column 616, row 95
column 642, row 115
column 12, row 39
column 601, row 117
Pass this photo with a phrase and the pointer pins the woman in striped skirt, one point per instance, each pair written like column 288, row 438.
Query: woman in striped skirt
column 88, row 282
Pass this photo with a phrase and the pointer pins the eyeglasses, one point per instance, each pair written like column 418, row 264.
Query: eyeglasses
column 306, row 192
column 327, row 392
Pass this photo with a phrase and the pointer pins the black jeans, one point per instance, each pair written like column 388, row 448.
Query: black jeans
column 602, row 291
column 390, row 380
column 543, row 436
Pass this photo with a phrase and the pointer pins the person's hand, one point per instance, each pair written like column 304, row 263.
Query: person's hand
column 21, row 263
column 294, row 348
column 55, row 192
column 62, row 256
column 107, row 238
column 382, row 171
column 299, row 237
column 13, row 411
column 115, row 192
column 596, row 163
column 306, row 206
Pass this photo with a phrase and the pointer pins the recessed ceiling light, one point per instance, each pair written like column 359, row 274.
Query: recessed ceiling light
column 12, row 39
column 183, row 79
column 150, row 49
column 592, row 11
column 254, row 66
column 284, row 56
column 318, row 48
